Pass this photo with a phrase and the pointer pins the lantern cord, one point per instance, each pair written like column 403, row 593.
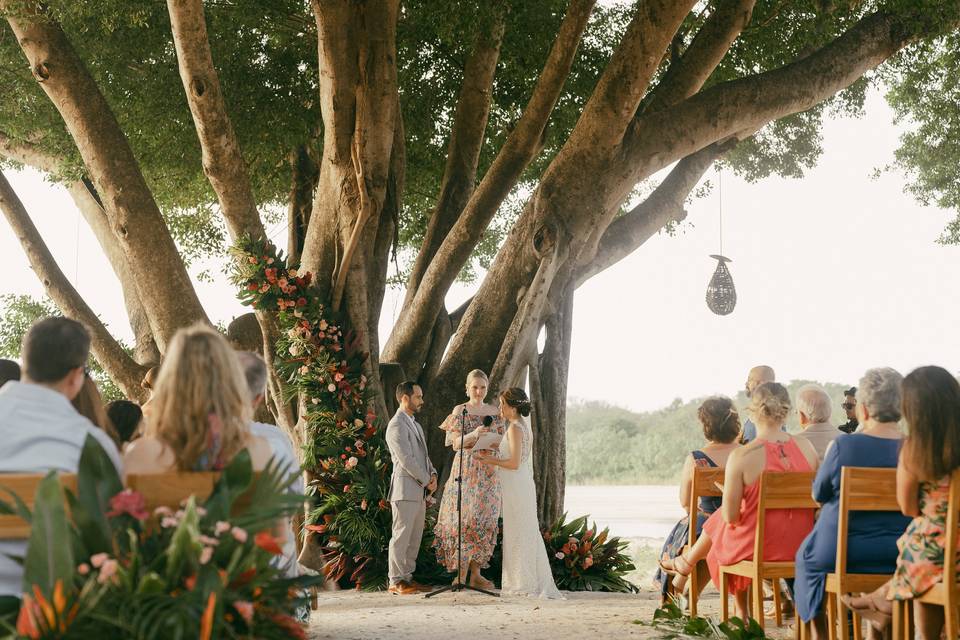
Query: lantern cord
column 720, row 207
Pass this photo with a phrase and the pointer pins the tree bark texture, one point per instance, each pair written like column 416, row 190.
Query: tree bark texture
column 170, row 300
column 108, row 352
column 304, row 175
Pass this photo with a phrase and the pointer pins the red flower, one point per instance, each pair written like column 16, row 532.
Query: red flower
column 301, row 302
column 253, row 286
column 271, row 275
column 382, row 504
column 268, row 543
column 317, row 528
column 292, row 628
column 369, row 432
column 128, row 502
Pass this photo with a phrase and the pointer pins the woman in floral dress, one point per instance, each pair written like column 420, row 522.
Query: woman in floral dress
column 931, row 452
column 481, row 488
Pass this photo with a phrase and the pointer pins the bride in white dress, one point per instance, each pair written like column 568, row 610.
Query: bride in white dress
column 526, row 570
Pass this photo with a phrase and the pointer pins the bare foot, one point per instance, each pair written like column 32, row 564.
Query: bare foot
column 872, row 607
column 480, row 582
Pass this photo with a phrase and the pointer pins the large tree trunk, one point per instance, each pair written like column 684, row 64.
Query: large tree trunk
column 548, row 392
column 161, row 278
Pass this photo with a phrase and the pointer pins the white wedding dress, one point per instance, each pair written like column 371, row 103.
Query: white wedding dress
column 526, row 570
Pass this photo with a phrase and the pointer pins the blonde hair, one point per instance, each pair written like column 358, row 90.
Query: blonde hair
column 770, row 402
column 200, row 381
column 476, row 374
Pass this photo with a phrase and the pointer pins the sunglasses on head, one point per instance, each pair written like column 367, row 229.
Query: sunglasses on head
column 848, row 405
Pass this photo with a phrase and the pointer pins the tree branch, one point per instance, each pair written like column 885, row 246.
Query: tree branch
column 170, row 300
column 665, row 205
column 222, row 161
column 304, row 174
column 688, row 75
column 747, row 104
column 108, row 352
column 407, row 343
column 145, row 349
column 466, row 141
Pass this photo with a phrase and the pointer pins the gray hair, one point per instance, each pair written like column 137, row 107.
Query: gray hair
column 879, row 393
column 255, row 371
column 813, row 402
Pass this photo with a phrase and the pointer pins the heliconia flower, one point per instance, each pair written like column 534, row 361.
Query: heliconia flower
column 240, row 535
column 221, row 527
column 267, row 542
column 206, row 620
column 206, row 555
column 559, row 555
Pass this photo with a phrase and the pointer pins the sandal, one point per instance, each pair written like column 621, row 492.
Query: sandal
column 678, row 565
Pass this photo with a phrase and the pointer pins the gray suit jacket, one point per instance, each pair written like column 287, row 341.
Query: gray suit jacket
column 412, row 468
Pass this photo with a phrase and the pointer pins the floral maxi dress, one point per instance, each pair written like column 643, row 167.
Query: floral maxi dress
column 920, row 563
column 480, row 504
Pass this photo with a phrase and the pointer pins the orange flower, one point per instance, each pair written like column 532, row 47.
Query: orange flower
column 267, row 542
column 27, row 619
column 206, row 621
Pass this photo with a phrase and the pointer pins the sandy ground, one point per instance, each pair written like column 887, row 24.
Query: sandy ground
column 348, row 615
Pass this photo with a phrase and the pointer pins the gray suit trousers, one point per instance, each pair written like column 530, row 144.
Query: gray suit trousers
column 408, row 517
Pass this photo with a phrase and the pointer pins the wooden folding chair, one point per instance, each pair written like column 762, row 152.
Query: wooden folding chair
column 778, row 490
column 24, row 485
column 705, row 481
column 945, row 593
column 861, row 489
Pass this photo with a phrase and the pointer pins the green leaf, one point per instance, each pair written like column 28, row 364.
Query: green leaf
column 97, row 482
column 48, row 559
column 234, row 480
column 184, row 549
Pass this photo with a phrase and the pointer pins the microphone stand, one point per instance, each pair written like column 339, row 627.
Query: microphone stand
column 459, row 585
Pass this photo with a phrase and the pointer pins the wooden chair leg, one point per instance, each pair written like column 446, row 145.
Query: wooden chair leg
column 831, row 607
column 857, row 626
column 693, row 585
column 900, row 623
column 314, row 599
column 777, row 616
column 724, row 596
column 841, row 610
column 758, row 601
column 950, row 619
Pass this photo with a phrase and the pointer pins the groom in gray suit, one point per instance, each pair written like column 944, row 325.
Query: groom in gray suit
column 413, row 479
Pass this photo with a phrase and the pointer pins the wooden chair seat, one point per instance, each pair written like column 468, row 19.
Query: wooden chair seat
column 857, row 582
column 778, row 490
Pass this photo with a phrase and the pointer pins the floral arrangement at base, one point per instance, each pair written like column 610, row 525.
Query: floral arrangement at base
column 671, row 621
column 583, row 560
column 111, row 569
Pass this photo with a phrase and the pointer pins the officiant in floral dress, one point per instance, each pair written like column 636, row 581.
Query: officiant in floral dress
column 481, row 489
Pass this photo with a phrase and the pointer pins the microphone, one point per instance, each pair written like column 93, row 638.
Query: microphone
column 464, row 412
column 487, row 421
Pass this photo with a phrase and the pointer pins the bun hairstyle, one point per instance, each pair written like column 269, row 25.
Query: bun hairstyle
column 720, row 420
column 517, row 398
column 770, row 402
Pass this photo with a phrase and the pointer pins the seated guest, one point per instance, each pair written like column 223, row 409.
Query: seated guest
column 872, row 537
column 255, row 373
column 728, row 535
column 930, row 453
column 814, row 407
column 126, row 417
column 40, row 430
column 759, row 375
column 9, row 371
column 721, row 426
column 201, row 411
column 89, row 404
column 850, row 406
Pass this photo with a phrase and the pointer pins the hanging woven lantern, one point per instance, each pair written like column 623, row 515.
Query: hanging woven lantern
column 721, row 294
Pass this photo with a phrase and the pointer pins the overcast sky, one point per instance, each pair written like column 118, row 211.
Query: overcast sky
column 835, row 273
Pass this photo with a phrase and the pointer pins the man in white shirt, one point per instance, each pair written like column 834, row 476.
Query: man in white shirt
column 815, row 409
column 39, row 429
column 255, row 371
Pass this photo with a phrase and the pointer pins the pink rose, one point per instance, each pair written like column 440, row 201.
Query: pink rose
column 107, row 571
column 98, row 559
column 206, row 554
column 221, row 527
column 588, row 562
column 240, row 535
column 351, row 462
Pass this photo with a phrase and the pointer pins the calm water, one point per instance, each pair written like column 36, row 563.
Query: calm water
column 637, row 511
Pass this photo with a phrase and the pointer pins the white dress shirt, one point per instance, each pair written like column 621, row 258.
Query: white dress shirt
column 39, row 431
column 282, row 449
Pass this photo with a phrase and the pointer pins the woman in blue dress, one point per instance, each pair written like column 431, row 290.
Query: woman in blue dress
column 872, row 539
column 721, row 429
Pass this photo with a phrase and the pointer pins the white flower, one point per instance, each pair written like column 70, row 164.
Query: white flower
column 315, row 400
column 559, row 555
column 351, row 462
column 331, row 387
column 357, row 422
column 295, row 350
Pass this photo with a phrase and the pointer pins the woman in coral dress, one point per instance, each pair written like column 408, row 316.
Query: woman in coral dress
column 728, row 535
column 481, row 489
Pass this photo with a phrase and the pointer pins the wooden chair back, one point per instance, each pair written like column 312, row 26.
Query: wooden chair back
column 173, row 488
column 704, row 485
column 950, row 549
column 781, row 490
column 24, row 485
column 862, row 489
